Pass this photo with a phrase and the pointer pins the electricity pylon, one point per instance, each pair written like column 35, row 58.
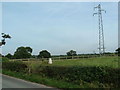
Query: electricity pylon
column 101, row 34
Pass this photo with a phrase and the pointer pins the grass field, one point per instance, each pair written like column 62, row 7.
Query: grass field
column 109, row 61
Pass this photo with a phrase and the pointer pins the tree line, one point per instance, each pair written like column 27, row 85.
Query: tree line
column 26, row 52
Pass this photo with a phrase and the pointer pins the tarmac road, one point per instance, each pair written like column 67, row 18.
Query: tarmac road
column 11, row 82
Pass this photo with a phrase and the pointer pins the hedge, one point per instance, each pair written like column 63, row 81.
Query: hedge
column 75, row 74
column 16, row 66
column 79, row 74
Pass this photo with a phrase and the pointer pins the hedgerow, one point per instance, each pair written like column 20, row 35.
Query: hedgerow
column 75, row 74
column 16, row 66
column 79, row 74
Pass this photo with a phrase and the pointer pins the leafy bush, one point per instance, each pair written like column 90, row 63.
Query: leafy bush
column 16, row 66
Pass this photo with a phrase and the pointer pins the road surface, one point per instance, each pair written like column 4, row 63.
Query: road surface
column 11, row 82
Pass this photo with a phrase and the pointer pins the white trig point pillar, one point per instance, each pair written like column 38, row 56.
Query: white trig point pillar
column 50, row 61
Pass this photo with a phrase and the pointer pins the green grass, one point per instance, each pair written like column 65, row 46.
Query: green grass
column 99, row 61
column 109, row 61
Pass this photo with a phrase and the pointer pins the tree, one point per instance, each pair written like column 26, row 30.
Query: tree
column 118, row 51
column 71, row 53
column 4, row 36
column 9, row 56
column 23, row 52
column 44, row 54
column 29, row 49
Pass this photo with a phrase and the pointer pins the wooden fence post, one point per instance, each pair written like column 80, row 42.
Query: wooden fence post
column 29, row 70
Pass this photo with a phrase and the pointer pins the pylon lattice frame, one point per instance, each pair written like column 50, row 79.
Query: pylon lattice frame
column 101, row 34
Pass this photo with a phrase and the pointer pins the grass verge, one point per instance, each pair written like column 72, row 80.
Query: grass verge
column 43, row 80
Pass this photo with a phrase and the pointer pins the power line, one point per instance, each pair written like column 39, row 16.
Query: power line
column 101, row 34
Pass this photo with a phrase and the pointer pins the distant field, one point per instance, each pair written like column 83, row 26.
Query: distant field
column 110, row 61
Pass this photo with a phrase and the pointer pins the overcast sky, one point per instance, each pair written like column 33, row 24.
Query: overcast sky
column 58, row 26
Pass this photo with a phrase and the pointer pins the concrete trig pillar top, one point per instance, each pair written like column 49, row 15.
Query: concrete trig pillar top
column 50, row 61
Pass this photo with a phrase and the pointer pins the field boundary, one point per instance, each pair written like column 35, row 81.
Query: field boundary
column 63, row 57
